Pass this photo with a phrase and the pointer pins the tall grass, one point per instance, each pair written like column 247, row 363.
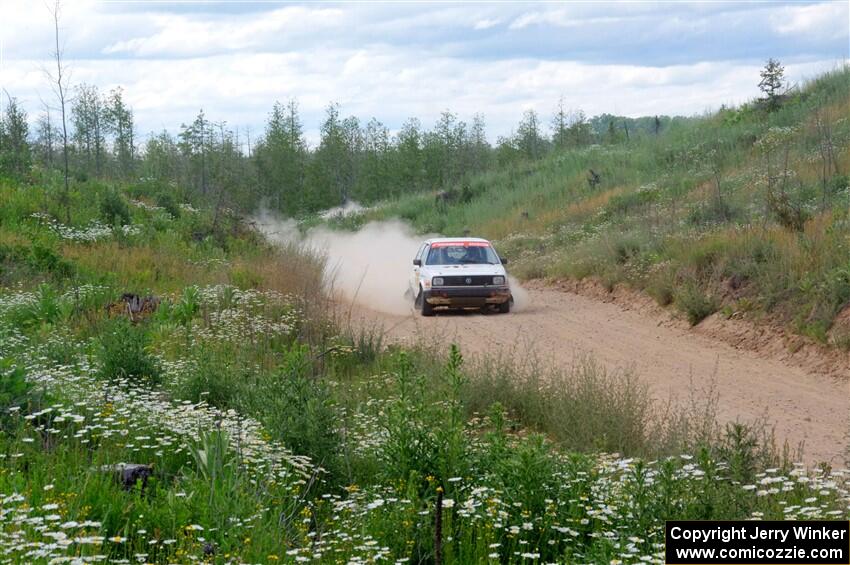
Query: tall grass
column 586, row 407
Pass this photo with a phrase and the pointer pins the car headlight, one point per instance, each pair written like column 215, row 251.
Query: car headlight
column 499, row 280
column 437, row 281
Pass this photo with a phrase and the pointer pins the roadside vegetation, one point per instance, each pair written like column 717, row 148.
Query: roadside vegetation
column 174, row 389
column 744, row 211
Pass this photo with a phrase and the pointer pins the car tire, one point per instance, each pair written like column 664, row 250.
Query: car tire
column 426, row 309
column 505, row 307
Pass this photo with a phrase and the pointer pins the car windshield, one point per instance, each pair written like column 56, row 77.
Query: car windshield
column 462, row 253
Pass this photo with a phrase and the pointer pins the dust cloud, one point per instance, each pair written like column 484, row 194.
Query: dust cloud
column 371, row 266
column 349, row 208
column 521, row 298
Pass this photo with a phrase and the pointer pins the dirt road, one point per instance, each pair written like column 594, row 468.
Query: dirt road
column 804, row 406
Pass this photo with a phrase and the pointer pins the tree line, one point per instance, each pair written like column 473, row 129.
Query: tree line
column 352, row 161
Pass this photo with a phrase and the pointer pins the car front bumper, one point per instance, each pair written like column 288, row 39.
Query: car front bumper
column 467, row 297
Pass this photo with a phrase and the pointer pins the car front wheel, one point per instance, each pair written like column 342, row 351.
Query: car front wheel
column 422, row 305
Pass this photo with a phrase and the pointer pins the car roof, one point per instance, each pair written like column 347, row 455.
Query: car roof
column 453, row 239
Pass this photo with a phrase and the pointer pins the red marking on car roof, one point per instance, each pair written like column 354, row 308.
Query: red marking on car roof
column 460, row 244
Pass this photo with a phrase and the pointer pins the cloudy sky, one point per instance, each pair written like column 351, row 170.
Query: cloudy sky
column 392, row 60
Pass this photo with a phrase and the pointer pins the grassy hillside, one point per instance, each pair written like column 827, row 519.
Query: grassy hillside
column 740, row 211
column 263, row 429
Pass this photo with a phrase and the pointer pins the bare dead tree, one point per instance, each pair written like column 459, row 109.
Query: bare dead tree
column 48, row 135
column 59, row 86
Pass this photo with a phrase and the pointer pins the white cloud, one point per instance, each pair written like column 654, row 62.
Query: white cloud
column 486, row 23
column 828, row 19
column 395, row 61
column 186, row 35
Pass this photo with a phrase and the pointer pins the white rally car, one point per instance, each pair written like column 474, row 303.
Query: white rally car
column 459, row 272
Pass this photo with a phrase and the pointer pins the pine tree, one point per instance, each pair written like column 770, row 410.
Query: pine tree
column 120, row 120
column 409, row 167
column 15, row 156
column 332, row 171
column 281, row 158
column 88, row 117
column 478, row 147
column 195, row 142
column 529, row 140
column 772, row 80
column 45, row 139
column 560, row 125
column 374, row 179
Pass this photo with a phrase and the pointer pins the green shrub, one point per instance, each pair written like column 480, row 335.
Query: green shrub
column 114, row 208
column 788, row 211
column 662, row 289
column 298, row 409
column 524, row 472
column 425, row 425
column 15, row 392
column 838, row 183
column 38, row 261
column 44, row 259
column 714, row 212
column 623, row 203
column 747, row 449
column 217, row 375
column 167, row 201
column 625, row 250
column 187, row 307
column 695, row 304
column 124, row 356
column 46, row 308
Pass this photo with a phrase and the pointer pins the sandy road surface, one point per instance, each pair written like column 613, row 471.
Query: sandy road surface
column 803, row 406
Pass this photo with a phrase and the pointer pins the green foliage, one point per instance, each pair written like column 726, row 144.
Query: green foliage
column 15, row 393
column 583, row 407
column 123, row 354
column 114, row 209
column 411, row 451
column 772, row 79
column 695, row 304
column 217, row 375
column 623, row 203
column 15, row 151
column 425, row 430
column 790, row 214
column 35, row 262
column 187, row 307
column 45, row 259
column 716, row 211
column 45, row 307
column 298, row 409
column 167, row 201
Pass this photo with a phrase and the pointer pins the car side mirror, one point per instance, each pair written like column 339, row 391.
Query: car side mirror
column 503, row 261
column 417, row 262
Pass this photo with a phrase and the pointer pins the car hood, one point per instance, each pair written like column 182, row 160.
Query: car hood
column 468, row 270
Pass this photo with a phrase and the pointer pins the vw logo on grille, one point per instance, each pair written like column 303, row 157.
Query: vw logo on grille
column 468, row 280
